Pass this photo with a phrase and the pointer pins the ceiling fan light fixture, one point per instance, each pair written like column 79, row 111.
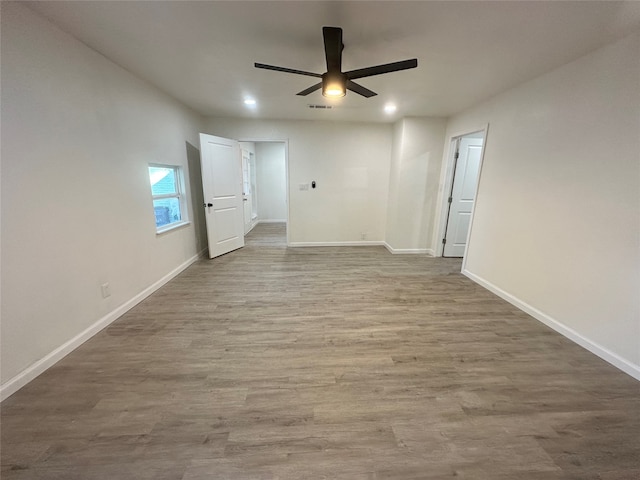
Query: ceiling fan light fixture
column 334, row 91
column 334, row 84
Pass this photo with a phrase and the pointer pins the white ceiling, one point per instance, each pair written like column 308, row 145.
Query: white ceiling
column 202, row 52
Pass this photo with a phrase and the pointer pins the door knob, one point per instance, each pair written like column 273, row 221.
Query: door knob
column 208, row 205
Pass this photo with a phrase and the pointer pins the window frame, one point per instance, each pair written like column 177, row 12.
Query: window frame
column 179, row 194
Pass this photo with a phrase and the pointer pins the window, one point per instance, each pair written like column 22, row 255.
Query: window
column 168, row 198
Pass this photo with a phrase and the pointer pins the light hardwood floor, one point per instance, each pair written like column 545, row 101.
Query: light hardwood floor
column 324, row 363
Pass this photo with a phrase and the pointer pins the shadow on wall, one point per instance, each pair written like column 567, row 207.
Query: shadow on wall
column 197, row 197
column 424, row 202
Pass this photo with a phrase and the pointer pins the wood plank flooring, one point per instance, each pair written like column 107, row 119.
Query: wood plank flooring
column 324, row 363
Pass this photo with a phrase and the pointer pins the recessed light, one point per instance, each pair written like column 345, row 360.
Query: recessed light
column 249, row 101
column 390, row 108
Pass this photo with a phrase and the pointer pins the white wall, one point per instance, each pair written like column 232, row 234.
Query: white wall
column 350, row 164
column 78, row 133
column 271, row 179
column 557, row 219
column 413, row 188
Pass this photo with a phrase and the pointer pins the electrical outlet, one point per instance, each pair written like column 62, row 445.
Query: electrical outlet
column 106, row 290
column 304, row 186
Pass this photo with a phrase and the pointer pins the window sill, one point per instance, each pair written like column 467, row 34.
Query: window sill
column 171, row 227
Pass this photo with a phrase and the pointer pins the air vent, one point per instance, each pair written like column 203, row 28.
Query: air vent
column 321, row 107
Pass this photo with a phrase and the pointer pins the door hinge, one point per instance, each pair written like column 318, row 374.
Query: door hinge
column 456, row 155
column 444, row 241
column 450, row 199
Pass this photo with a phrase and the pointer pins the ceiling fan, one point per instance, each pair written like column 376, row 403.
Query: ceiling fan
column 335, row 82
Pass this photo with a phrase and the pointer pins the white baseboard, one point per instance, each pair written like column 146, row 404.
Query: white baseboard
column 363, row 243
column 366, row 243
column 410, row 251
column 20, row 380
column 602, row 352
column 271, row 221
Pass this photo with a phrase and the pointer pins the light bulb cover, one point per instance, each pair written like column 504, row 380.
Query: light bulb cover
column 334, row 84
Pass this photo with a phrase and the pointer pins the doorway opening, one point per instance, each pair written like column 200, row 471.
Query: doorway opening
column 242, row 189
column 265, row 183
column 462, row 177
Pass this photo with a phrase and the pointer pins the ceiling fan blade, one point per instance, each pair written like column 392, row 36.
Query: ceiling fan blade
column 380, row 69
column 333, row 48
column 309, row 90
column 359, row 89
column 287, row 70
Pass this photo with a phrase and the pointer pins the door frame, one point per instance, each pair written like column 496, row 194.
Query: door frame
column 286, row 169
column 446, row 182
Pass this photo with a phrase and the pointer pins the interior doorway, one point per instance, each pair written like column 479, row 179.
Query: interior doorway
column 249, row 189
column 465, row 161
column 265, row 183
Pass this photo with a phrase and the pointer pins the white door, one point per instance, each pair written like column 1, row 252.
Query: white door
column 463, row 195
column 222, row 187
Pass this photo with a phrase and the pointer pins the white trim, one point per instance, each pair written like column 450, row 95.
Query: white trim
column 272, row 221
column 336, row 244
column 409, row 251
column 253, row 225
column 21, row 379
column 171, row 226
column 371, row 243
column 602, row 352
